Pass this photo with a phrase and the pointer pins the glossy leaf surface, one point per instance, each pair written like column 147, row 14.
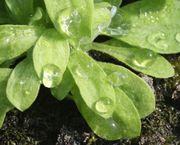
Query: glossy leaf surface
column 90, row 78
column 5, row 105
column 102, row 17
column 50, row 56
column 62, row 90
column 21, row 10
column 143, row 60
column 23, row 85
column 136, row 89
column 72, row 18
column 16, row 39
column 117, row 126
column 112, row 2
column 153, row 25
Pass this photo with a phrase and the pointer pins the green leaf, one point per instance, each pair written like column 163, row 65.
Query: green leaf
column 5, row 105
column 118, row 26
column 62, row 90
column 102, row 18
column 143, row 60
column 23, row 85
column 91, row 81
column 153, row 25
column 72, row 18
column 4, row 18
column 38, row 18
column 124, row 122
column 50, row 56
column 112, row 2
column 135, row 88
column 21, row 10
column 17, row 39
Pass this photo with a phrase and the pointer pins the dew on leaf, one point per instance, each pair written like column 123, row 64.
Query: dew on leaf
column 158, row 39
column 51, row 75
column 113, row 10
column 80, row 73
column 116, row 79
column 144, row 59
column 103, row 105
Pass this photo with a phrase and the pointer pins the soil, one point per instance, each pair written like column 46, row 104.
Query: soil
column 50, row 122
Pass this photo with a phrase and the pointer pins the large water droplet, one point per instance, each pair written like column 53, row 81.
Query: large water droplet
column 69, row 21
column 158, row 39
column 116, row 79
column 178, row 37
column 51, row 76
column 104, row 105
column 144, row 59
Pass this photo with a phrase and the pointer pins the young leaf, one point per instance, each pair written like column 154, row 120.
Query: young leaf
column 21, row 10
column 91, row 81
column 124, row 122
column 102, row 18
column 137, row 89
column 143, row 60
column 16, row 39
column 72, row 18
column 62, row 90
column 153, row 25
column 23, row 85
column 5, row 105
column 118, row 26
column 50, row 56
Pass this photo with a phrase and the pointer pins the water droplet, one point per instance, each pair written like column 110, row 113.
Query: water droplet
column 27, row 93
column 21, row 82
column 104, row 105
column 28, row 32
column 90, row 65
column 7, row 40
column 51, row 75
column 150, row 16
column 113, row 10
column 144, row 59
column 80, row 73
column 158, row 39
column 178, row 37
column 68, row 20
column 116, row 79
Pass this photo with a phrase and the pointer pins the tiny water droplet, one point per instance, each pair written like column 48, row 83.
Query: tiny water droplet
column 147, row 14
column 103, row 105
column 21, row 82
column 51, row 75
column 27, row 93
column 116, row 79
column 80, row 73
column 178, row 37
column 90, row 65
column 158, row 39
column 28, row 32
